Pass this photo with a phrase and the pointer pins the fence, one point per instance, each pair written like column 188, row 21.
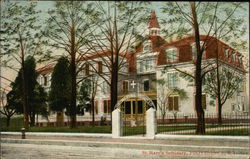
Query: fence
column 232, row 124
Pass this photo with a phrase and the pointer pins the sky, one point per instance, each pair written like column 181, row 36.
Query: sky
column 44, row 6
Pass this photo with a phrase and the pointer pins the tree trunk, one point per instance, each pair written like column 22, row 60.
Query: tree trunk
column 113, row 85
column 218, row 89
column 200, row 129
column 24, row 88
column 73, row 94
column 32, row 118
column 93, row 111
column 73, row 77
column 7, row 121
column 219, row 112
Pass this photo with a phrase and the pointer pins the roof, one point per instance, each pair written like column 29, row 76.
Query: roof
column 153, row 22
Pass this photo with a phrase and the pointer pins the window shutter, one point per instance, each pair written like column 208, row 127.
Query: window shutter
column 170, row 103
column 176, row 103
column 109, row 106
column 105, row 106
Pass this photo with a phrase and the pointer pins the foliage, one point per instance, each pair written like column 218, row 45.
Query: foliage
column 59, row 95
column 164, row 92
column 36, row 94
column 6, row 109
column 67, row 28
column 84, row 96
column 20, row 29
column 229, row 82
column 223, row 18
column 21, row 37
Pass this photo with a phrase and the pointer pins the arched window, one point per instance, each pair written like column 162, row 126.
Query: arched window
column 147, row 47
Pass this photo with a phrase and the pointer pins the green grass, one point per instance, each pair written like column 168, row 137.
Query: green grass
column 128, row 131
column 234, row 132
column 174, row 128
column 16, row 123
column 79, row 129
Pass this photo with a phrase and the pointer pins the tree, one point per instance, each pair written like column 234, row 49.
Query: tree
column 20, row 37
column 114, row 32
column 6, row 108
column 163, row 99
column 196, row 18
column 36, row 96
column 67, row 30
column 222, row 83
column 59, row 95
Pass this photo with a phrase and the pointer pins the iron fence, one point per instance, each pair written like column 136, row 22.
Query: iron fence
column 231, row 124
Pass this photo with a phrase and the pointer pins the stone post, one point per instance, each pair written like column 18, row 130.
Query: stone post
column 151, row 125
column 116, row 123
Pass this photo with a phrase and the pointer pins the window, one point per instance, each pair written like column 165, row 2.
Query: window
column 146, row 64
column 173, row 103
column 146, row 85
column 45, row 80
column 107, row 106
column 226, row 53
column 124, row 86
column 233, row 56
column 105, row 87
column 171, row 55
column 172, row 79
column 86, row 69
column 194, row 52
column 99, row 64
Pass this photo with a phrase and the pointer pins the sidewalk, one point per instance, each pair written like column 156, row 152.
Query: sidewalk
column 230, row 146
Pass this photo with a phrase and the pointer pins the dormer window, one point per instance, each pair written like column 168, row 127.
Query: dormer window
column 226, row 53
column 233, row 57
column 171, row 54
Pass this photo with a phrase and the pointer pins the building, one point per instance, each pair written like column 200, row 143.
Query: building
column 156, row 59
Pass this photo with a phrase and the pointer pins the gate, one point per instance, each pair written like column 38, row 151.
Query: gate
column 133, row 112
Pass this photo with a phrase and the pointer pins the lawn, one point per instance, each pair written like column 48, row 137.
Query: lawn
column 234, row 132
column 17, row 123
column 79, row 129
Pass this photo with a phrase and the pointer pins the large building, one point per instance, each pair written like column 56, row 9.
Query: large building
column 153, row 70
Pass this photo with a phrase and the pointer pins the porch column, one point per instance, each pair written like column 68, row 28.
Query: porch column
column 116, row 123
column 151, row 125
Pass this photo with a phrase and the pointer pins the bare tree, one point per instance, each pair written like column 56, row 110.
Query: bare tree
column 196, row 18
column 113, row 39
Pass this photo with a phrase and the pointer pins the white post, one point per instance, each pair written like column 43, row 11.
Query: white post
column 116, row 123
column 151, row 125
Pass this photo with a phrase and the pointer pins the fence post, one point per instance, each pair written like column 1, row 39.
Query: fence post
column 151, row 125
column 116, row 123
